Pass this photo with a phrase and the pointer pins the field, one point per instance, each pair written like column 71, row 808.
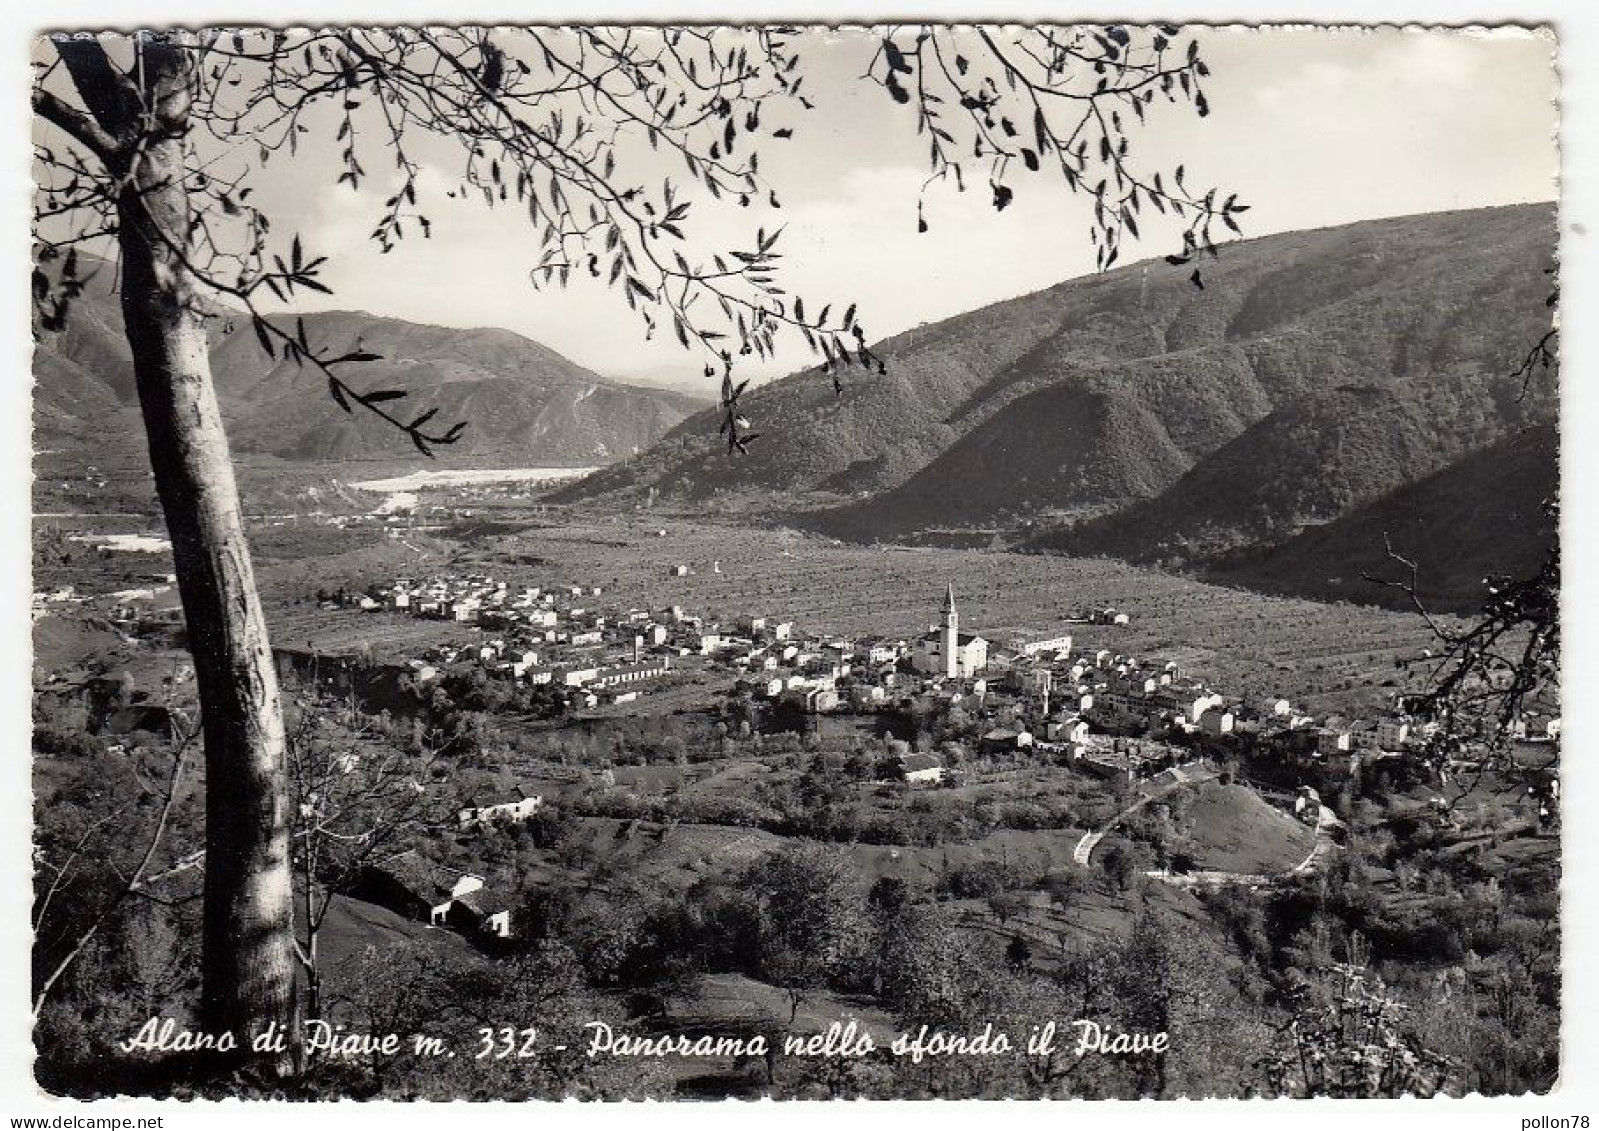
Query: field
column 392, row 637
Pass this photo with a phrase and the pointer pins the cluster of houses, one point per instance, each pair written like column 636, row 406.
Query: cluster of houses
column 1069, row 701
column 1102, row 713
column 539, row 636
column 415, row 888
column 154, row 602
column 1088, row 706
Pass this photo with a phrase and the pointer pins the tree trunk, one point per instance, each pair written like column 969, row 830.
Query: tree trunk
column 247, row 960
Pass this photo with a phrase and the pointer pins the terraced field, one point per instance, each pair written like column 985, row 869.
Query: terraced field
column 392, row 637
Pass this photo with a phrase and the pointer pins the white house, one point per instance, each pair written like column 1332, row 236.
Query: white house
column 1060, row 645
column 511, row 808
column 1334, row 740
column 921, row 769
column 1201, row 704
column 1068, row 729
column 882, row 654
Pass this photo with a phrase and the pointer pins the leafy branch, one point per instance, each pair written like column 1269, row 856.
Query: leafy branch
column 1062, row 99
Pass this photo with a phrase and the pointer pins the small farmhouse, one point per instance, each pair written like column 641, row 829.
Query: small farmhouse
column 513, row 807
column 412, row 886
column 921, row 769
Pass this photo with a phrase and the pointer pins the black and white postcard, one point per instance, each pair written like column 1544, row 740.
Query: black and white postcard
column 699, row 562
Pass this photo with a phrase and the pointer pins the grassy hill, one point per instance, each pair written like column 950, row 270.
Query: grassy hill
column 1092, row 447
column 1231, row 829
column 1301, row 465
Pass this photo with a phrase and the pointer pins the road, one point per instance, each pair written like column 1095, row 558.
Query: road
column 1181, row 775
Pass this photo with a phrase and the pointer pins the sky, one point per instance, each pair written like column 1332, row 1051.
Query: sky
column 1311, row 127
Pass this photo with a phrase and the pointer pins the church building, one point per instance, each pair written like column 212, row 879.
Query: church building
column 947, row 651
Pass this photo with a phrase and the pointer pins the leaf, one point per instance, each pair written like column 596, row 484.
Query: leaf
column 1002, row 197
column 336, row 391
column 383, row 395
column 416, row 424
column 355, row 355
column 1196, row 280
column 896, row 57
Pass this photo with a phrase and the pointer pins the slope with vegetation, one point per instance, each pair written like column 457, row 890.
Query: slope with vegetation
column 1482, row 515
column 1301, row 465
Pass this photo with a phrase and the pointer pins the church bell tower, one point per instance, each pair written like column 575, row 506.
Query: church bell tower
column 951, row 639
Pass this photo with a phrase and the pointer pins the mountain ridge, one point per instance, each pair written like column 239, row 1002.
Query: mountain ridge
column 524, row 403
column 1431, row 305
